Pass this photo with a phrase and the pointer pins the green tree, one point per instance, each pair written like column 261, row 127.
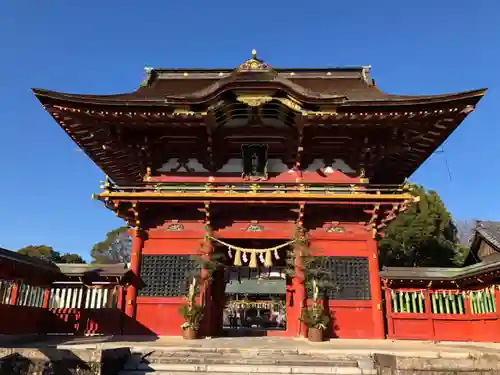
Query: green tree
column 422, row 236
column 49, row 254
column 71, row 258
column 114, row 249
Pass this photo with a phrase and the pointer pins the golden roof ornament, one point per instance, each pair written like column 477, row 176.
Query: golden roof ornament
column 253, row 64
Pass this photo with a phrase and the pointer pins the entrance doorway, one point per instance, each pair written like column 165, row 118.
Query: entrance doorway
column 255, row 298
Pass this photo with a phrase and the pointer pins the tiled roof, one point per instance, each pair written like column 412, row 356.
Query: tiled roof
column 490, row 231
column 118, row 269
column 37, row 263
column 438, row 273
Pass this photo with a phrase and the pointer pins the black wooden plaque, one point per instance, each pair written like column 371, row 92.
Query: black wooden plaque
column 350, row 275
column 254, row 159
column 167, row 275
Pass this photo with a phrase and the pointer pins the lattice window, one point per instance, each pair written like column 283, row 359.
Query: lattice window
column 350, row 275
column 167, row 275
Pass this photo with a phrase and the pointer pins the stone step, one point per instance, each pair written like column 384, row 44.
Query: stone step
column 234, row 350
column 156, row 354
column 349, row 353
column 250, row 361
column 190, row 358
column 188, row 362
column 276, row 359
column 138, row 372
column 249, row 369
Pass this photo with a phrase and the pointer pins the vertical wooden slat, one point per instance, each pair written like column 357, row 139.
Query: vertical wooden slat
column 14, row 294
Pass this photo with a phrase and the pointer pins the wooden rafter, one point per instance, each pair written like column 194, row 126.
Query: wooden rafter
column 110, row 136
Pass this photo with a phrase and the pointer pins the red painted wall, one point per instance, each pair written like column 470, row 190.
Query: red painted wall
column 83, row 321
column 353, row 319
column 157, row 315
column 21, row 320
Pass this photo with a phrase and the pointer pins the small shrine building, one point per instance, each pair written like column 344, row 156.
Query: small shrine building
column 448, row 304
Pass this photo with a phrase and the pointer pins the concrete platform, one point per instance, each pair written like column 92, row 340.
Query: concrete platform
column 427, row 349
column 274, row 355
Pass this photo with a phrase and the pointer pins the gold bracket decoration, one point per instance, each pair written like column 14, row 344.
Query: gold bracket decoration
column 254, row 101
column 467, row 109
column 147, row 175
column 254, row 228
column 206, row 209
column 300, row 219
column 208, row 188
column 300, row 147
column 335, row 229
column 391, row 215
column 137, row 221
column 186, row 112
column 362, row 178
column 291, row 103
column 373, row 220
column 175, row 227
column 354, row 189
column 254, row 188
column 230, row 189
column 279, row 189
column 116, row 206
column 209, row 126
column 320, row 113
column 106, row 184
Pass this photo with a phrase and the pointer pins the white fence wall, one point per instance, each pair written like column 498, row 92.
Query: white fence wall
column 92, row 297
column 30, row 295
column 5, row 291
column 62, row 296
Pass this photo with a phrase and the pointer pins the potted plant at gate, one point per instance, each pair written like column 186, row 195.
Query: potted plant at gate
column 192, row 313
column 316, row 277
column 315, row 318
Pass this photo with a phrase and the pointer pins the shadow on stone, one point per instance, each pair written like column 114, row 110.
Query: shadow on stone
column 52, row 361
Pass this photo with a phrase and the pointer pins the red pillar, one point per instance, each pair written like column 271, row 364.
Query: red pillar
column 14, row 292
column 376, row 290
column 388, row 311
column 120, row 297
column 46, row 298
column 206, row 292
column 135, row 263
column 299, row 297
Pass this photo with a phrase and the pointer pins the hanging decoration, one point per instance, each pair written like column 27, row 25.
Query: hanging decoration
column 246, row 304
column 265, row 256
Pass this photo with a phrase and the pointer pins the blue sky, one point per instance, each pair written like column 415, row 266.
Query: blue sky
column 414, row 47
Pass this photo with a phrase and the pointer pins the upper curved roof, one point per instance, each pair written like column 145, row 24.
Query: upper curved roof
column 409, row 128
column 338, row 86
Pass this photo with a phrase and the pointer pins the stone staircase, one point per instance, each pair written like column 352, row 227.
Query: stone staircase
column 234, row 362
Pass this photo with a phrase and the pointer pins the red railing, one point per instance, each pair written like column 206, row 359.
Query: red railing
column 21, row 320
column 85, row 321
column 443, row 315
column 26, row 309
